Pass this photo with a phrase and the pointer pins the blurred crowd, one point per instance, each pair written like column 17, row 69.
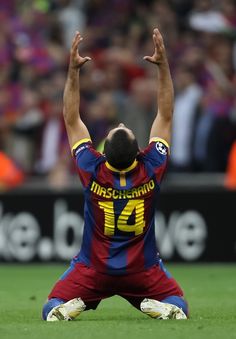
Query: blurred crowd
column 117, row 86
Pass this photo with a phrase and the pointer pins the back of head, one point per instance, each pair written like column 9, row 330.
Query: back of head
column 121, row 150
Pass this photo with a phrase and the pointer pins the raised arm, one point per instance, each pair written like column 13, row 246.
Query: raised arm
column 75, row 127
column 161, row 126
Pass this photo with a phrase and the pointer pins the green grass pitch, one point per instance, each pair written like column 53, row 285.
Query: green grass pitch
column 210, row 290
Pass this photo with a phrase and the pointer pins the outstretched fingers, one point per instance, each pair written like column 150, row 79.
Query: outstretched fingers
column 159, row 49
column 75, row 43
column 157, row 40
column 76, row 61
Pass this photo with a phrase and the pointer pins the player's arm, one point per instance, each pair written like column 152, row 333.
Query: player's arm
column 161, row 126
column 75, row 127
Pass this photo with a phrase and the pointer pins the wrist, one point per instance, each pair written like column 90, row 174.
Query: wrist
column 163, row 59
column 163, row 64
column 73, row 68
column 73, row 71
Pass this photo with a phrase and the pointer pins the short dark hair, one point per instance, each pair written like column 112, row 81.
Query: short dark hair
column 120, row 150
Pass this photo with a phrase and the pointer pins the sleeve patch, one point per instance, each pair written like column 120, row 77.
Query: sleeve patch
column 161, row 148
column 80, row 149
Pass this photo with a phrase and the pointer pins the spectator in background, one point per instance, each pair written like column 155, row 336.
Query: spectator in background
column 140, row 107
column 71, row 17
column 214, row 127
column 10, row 175
column 230, row 177
column 187, row 102
column 207, row 18
column 53, row 137
column 101, row 115
column 22, row 141
column 228, row 9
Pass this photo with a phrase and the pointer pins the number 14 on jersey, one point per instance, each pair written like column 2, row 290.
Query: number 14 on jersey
column 132, row 206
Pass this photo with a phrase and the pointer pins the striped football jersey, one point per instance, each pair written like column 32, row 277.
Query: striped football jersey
column 119, row 232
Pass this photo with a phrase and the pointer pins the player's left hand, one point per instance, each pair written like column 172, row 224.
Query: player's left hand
column 159, row 55
column 76, row 61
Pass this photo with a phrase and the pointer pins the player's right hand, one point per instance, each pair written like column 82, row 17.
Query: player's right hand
column 76, row 61
column 159, row 55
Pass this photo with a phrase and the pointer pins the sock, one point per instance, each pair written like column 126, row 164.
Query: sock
column 50, row 305
column 177, row 301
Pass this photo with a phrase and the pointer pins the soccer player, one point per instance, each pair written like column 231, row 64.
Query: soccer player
column 118, row 255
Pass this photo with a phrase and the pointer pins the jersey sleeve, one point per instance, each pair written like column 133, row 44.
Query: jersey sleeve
column 156, row 157
column 87, row 160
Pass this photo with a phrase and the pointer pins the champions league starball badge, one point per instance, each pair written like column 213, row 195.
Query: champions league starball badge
column 161, row 148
